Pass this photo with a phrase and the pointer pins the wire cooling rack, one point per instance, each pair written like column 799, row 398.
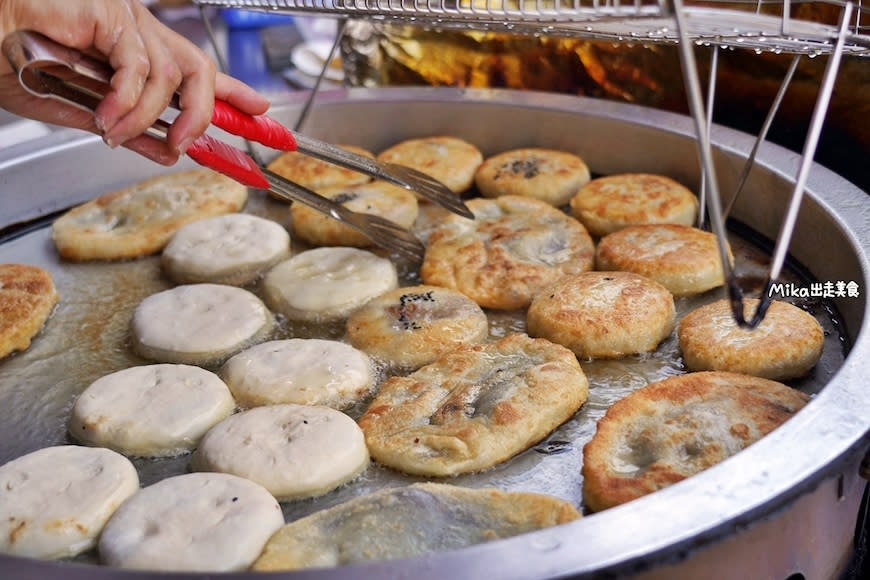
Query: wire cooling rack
column 803, row 28
column 775, row 25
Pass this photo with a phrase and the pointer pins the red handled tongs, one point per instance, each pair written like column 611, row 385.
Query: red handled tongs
column 47, row 69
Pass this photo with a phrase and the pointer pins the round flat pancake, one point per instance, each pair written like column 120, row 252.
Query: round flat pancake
column 514, row 247
column 786, row 345
column 152, row 410
column 197, row 522
column 327, row 283
column 549, row 175
column 294, row 451
column 607, row 204
column 139, row 220
column 302, row 371
column 376, row 526
column 683, row 259
column 603, row 314
column 199, row 324
column 378, row 198
column 475, row 407
column 675, row 428
column 450, row 160
column 230, row 249
column 55, row 501
column 27, row 298
column 313, row 173
column 412, row 326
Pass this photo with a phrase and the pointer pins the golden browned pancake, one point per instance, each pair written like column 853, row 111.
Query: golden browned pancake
column 474, row 407
column 450, row 160
column 139, row 220
column 610, row 203
column 412, row 326
column 685, row 260
column 513, row 248
column 546, row 174
column 27, row 297
column 409, row 521
column 313, row 173
column 675, row 428
column 603, row 314
column 379, row 198
column 786, row 345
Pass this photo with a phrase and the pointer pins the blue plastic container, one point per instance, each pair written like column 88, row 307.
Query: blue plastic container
column 238, row 18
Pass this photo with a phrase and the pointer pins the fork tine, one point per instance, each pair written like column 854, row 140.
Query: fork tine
column 428, row 187
column 382, row 232
column 402, row 176
column 401, row 240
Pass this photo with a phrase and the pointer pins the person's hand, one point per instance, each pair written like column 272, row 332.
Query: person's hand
column 151, row 63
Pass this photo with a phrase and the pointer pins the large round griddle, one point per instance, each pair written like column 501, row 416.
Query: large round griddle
column 813, row 460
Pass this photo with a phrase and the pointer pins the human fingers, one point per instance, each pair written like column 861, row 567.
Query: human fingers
column 240, row 95
column 145, row 79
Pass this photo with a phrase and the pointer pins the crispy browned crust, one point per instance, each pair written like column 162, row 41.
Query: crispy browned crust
column 675, row 428
column 474, row 407
column 514, row 247
column 139, row 220
column 414, row 325
column 685, row 260
column 409, row 521
column 549, row 175
column 379, row 198
column 27, row 297
column 450, row 160
column 786, row 345
column 603, row 314
column 610, row 203
column 313, row 173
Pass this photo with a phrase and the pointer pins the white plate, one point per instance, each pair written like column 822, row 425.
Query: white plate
column 309, row 57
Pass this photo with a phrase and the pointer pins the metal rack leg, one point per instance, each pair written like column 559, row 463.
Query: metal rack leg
column 762, row 135
column 711, row 98
column 693, row 94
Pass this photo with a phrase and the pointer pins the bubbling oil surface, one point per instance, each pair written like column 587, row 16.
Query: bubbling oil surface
column 88, row 337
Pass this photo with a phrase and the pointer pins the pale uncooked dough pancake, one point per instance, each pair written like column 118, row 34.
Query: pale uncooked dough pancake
column 450, row 160
column 513, row 248
column 474, row 407
column 412, row 326
column 55, row 501
column 607, row 204
column 675, row 428
column 327, row 283
column 152, row 410
column 685, row 260
column 298, row 370
column 786, row 345
column 294, row 451
column 603, row 314
column 139, row 220
column 409, row 521
column 27, row 298
column 549, row 175
column 313, row 173
column 199, row 323
column 197, row 522
column 378, row 198
column 230, row 249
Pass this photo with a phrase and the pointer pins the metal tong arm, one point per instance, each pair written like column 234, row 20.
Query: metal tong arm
column 385, row 233
column 404, row 177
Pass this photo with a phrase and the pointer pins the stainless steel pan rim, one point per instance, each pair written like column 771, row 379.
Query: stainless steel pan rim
column 832, row 431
